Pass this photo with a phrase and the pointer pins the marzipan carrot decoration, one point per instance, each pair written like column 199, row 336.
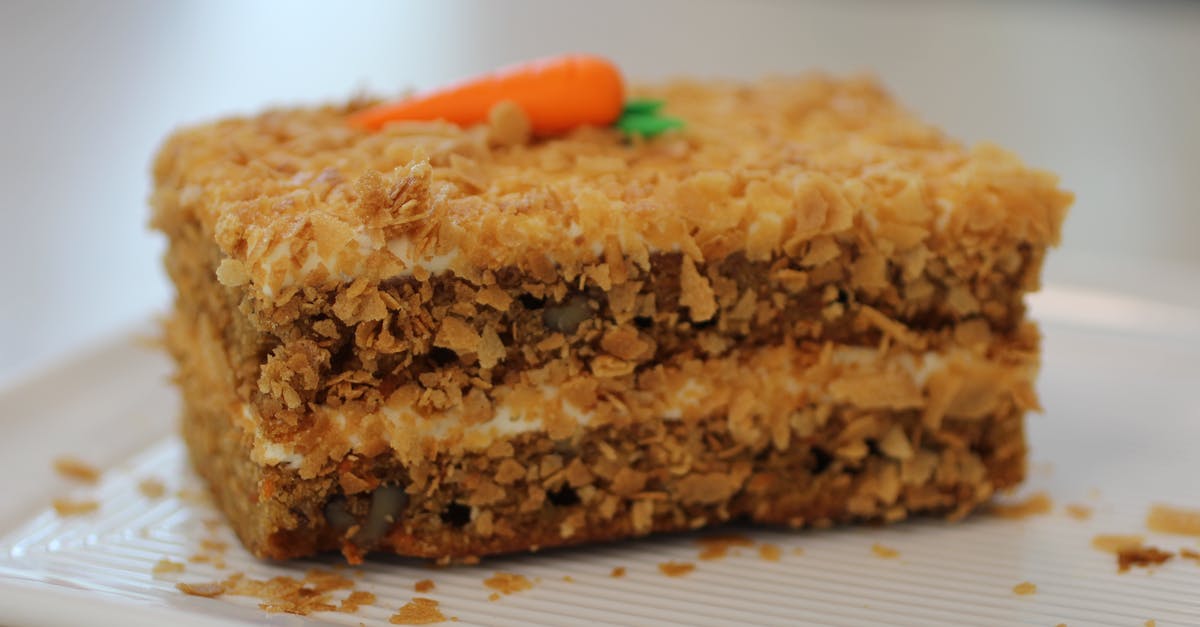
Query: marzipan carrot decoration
column 557, row 94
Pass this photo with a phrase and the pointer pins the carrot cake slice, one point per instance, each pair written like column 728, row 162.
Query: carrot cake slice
column 448, row 340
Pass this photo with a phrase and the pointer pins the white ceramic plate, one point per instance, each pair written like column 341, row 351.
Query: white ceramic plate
column 1121, row 431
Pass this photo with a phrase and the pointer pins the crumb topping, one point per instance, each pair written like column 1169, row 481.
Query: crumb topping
column 297, row 198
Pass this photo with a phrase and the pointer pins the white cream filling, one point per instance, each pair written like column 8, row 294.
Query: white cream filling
column 506, row 421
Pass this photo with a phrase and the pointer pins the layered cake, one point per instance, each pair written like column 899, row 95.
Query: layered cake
column 448, row 340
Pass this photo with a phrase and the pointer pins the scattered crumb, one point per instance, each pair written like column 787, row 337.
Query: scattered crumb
column 1150, row 623
column 1143, row 556
column 419, row 611
column 152, row 488
column 1094, row 494
column 1174, row 520
column 1079, row 512
column 568, row 579
column 1045, row 469
column 355, row 600
column 215, row 546
column 508, row 583
column 67, row 507
column 211, row 524
column 165, row 566
column 885, row 552
column 770, row 552
column 619, row 571
column 73, row 468
column 1190, row 554
column 676, row 569
column 717, row 546
column 287, row 594
column 1025, row 588
column 208, row 590
column 1061, row 625
column 1115, row 543
column 424, row 585
column 495, row 596
column 1035, row 504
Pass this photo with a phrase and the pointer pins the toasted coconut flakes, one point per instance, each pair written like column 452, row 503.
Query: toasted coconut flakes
column 68, row 507
column 1144, row 556
column 165, row 566
column 209, row 590
column 152, row 488
column 770, row 552
column 424, row 585
column 73, row 468
column 1174, row 520
column 1115, row 543
column 717, row 546
column 1079, row 512
column 885, row 552
column 676, row 569
column 617, row 572
column 508, row 583
column 419, row 611
column 1024, row 588
column 1035, row 504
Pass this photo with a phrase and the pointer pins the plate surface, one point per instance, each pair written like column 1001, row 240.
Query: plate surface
column 1119, row 433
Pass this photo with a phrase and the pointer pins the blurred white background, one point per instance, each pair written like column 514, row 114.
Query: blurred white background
column 1105, row 93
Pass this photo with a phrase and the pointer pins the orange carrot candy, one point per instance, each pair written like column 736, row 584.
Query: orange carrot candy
column 557, row 94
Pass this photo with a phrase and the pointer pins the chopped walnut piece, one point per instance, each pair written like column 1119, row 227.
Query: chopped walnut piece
column 419, row 611
column 78, row 470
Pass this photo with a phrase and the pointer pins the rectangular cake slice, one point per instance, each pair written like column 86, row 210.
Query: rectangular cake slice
column 803, row 308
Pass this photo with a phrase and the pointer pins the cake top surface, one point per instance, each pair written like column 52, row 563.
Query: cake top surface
column 297, row 197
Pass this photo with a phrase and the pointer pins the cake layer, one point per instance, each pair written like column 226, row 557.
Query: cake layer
column 786, row 435
column 361, row 341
